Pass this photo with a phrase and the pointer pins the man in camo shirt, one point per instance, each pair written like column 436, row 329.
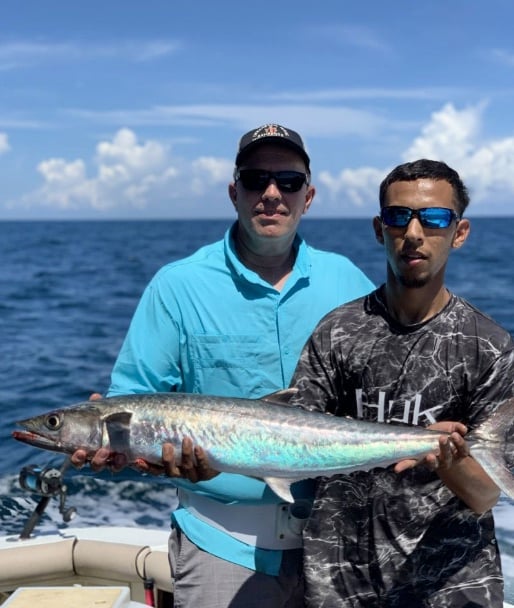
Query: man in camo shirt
column 418, row 534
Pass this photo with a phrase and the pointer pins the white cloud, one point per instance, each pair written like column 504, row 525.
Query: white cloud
column 453, row 136
column 208, row 171
column 4, row 143
column 370, row 93
column 126, row 174
column 490, row 171
column 504, row 57
column 358, row 186
column 156, row 50
column 352, row 35
column 330, row 121
column 65, row 184
column 216, row 167
column 124, row 153
column 129, row 175
column 487, row 167
column 450, row 135
column 25, row 53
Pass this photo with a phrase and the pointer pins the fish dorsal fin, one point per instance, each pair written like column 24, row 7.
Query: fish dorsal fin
column 281, row 397
column 117, row 427
column 281, row 487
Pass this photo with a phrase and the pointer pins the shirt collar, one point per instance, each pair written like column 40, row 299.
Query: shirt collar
column 301, row 268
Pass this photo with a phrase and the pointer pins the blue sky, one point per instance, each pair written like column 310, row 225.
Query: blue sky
column 133, row 109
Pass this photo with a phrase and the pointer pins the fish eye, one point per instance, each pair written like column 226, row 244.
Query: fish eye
column 53, row 422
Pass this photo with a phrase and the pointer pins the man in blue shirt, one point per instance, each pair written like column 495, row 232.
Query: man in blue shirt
column 231, row 320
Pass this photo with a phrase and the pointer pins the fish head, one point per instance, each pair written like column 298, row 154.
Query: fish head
column 64, row 430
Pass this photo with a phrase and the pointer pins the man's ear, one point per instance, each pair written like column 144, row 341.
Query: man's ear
column 309, row 196
column 378, row 227
column 232, row 193
column 461, row 233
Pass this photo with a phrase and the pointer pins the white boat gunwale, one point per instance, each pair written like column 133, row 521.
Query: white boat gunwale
column 100, row 556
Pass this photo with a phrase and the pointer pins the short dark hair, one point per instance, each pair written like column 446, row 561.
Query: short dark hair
column 427, row 169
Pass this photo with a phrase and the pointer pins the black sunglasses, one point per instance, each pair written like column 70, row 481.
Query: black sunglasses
column 257, row 180
column 429, row 217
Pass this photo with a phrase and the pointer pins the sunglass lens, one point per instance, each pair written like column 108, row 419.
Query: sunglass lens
column 397, row 217
column 290, row 181
column 436, row 217
column 253, row 180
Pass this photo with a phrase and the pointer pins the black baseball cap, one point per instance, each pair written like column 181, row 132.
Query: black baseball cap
column 271, row 133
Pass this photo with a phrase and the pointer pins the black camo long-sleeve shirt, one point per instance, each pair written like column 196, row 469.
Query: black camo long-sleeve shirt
column 381, row 539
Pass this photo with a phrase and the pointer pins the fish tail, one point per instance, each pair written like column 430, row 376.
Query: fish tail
column 491, row 448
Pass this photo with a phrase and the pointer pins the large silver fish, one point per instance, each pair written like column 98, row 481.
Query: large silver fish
column 262, row 438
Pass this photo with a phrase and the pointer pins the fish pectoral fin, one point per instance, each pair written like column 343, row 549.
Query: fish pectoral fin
column 118, row 430
column 281, row 487
column 281, row 397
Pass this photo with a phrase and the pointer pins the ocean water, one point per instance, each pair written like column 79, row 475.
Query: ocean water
column 68, row 292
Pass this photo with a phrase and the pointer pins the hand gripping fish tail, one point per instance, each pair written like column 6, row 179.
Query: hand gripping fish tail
column 262, row 438
column 492, row 445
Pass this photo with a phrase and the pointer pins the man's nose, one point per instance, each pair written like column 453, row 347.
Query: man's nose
column 414, row 230
column 272, row 191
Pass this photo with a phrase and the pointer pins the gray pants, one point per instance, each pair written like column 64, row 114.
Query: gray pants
column 203, row 580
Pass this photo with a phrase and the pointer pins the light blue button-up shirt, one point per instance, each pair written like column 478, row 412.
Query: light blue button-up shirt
column 207, row 324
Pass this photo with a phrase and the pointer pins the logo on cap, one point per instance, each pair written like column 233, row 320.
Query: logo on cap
column 270, row 131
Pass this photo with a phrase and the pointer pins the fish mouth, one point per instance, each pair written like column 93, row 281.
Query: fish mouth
column 37, row 440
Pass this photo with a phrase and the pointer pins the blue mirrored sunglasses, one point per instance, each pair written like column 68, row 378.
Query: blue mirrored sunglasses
column 429, row 217
column 257, row 180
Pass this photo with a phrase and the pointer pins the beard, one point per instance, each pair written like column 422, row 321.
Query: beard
column 412, row 282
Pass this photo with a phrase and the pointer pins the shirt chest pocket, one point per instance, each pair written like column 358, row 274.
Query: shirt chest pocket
column 229, row 364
